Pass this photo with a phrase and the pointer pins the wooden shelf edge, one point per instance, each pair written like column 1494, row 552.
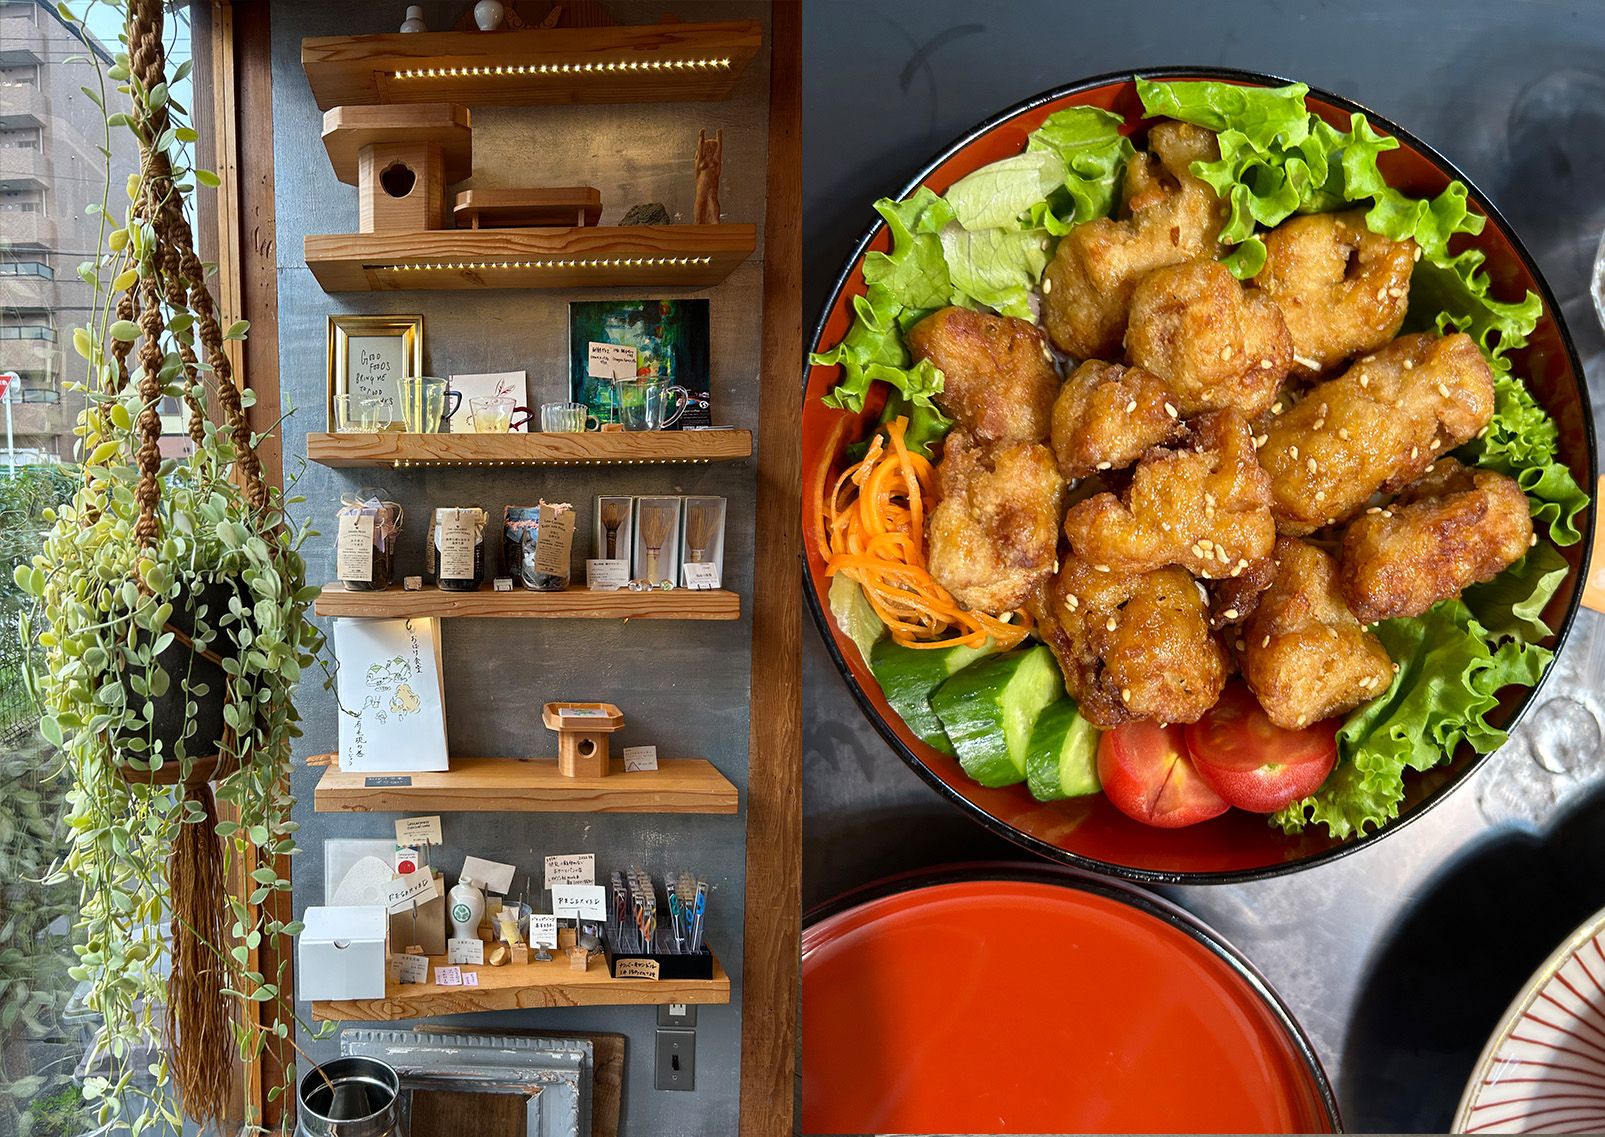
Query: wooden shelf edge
column 594, row 448
column 574, row 603
column 582, row 256
column 514, row 785
column 512, row 988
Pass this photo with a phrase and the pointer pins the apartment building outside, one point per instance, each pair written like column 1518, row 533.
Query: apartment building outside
column 50, row 169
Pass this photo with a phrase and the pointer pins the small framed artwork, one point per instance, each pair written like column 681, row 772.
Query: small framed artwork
column 666, row 340
column 369, row 356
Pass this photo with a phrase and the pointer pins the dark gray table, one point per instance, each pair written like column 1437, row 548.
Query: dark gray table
column 1398, row 960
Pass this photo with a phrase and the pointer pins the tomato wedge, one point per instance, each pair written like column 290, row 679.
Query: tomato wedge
column 1253, row 763
column 1148, row 776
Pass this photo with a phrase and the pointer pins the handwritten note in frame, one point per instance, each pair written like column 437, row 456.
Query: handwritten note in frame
column 370, row 356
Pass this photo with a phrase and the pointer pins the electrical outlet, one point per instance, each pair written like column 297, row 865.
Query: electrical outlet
column 677, row 1014
column 677, row 1059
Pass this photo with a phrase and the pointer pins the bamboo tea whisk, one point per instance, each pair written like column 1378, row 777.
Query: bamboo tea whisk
column 613, row 513
column 701, row 519
column 655, row 522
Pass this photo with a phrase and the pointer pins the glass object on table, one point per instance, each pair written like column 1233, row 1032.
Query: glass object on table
column 426, row 404
column 360, row 414
column 566, row 418
column 649, row 404
column 492, row 414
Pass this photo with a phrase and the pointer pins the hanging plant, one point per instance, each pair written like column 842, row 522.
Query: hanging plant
column 171, row 614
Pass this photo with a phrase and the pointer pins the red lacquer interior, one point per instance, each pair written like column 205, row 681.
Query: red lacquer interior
column 1003, row 1006
column 1092, row 830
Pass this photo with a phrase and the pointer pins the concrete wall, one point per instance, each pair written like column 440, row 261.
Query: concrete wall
column 683, row 686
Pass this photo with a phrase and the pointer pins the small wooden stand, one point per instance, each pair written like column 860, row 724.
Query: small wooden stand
column 582, row 739
column 401, row 159
column 520, row 954
column 561, row 207
column 578, row 959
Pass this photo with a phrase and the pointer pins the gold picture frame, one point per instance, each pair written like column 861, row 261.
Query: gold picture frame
column 386, row 349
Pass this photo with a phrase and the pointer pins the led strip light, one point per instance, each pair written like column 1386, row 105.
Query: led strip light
column 582, row 262
column 403, row 463
column 638, row 65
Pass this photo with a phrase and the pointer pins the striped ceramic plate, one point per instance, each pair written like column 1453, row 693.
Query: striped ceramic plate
column 1543, row 1071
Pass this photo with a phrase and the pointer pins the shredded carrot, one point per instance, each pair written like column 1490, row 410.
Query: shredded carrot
column 871, row 529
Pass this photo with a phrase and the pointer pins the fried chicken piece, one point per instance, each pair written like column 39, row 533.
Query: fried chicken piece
column 1452, row 528
column 992, row 537
column 1375, row 428
column 998, row 376
column 1204, row 505
column 1342, row 289
column 1107, row 414
column 1305, row 655
column 1131, row 646
column 1216, row 343
column 1169, row 216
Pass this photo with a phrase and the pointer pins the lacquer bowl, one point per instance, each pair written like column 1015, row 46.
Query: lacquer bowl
column 1090, row 833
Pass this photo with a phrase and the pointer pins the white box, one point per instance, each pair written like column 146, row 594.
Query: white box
column 341, row 953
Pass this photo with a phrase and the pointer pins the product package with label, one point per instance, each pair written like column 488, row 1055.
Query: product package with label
column 656, row 551
column 702, row 540
column 367, row 528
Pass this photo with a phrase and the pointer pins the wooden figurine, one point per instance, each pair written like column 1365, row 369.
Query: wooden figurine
column 710, row 160
column 401, row 158
column 582, row 736
column 520, row 954
column 578, row 959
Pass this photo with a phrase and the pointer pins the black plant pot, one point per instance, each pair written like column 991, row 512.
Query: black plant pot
column 192, row 679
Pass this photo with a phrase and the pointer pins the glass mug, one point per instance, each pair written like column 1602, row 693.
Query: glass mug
column 359, row 414
column 645, row 404
column 493, row 414
column 424, row 404
column 567, row 418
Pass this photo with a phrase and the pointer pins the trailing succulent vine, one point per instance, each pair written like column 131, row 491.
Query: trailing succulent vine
column 167, row 587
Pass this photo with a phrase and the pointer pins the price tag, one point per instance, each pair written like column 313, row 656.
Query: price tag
column 542, row 931
column 353, row 555
column 409, row 890
column 701, row 575
column 470, row 949
column 406, row 859
column 455, row 538
column 502, row 584
column 639, row 758
column 637, row 969
column 607, row 576
column 418, row 831
column 495, row 876
column 449, row 976
column 553, row 540
column 610, row 360
column 587, row 900
column 576, row 868
column 413, row 968
column 470, row 979
column 412, row 584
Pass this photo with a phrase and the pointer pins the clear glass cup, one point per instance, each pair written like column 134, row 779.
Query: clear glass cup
column 359, row 414
column 426, row 404
column 649, row 404
column 567, row 418
column 492, row 414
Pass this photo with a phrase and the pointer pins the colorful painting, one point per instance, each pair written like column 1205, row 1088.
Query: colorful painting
column 623, row 339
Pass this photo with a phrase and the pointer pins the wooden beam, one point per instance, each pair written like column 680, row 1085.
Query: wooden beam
column 518, row 448
column 573, row 603
column 774, row 802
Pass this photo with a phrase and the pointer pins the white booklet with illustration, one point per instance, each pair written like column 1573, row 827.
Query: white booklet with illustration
column 392, row 696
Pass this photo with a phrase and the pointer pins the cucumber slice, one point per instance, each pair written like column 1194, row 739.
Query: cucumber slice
column 854, row 614
column 1062, row 757
column 988, row 710
column 909, row 675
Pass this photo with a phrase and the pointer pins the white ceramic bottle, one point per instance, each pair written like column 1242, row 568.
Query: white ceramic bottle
column 488, row 14
column 415, row 19
column 467, row 908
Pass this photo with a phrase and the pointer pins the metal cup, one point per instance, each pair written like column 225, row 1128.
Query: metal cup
column 364, row 1101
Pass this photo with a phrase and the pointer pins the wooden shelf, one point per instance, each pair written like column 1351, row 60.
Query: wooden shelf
column 517, row 987
column 654, row 63
column 529, row 785
column 593, row 448
column 585, row 256
column 575, row 603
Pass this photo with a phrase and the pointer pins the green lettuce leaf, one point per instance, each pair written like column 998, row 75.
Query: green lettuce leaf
column 913, row 274
column 1094, row 152
column 995, row 268
column 1511, row 605
column 1451, row 669
column 995, row 196
column 1523, row 442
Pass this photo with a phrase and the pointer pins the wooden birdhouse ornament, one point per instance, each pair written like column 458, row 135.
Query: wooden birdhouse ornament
column 401, row 157
column 582, row 736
